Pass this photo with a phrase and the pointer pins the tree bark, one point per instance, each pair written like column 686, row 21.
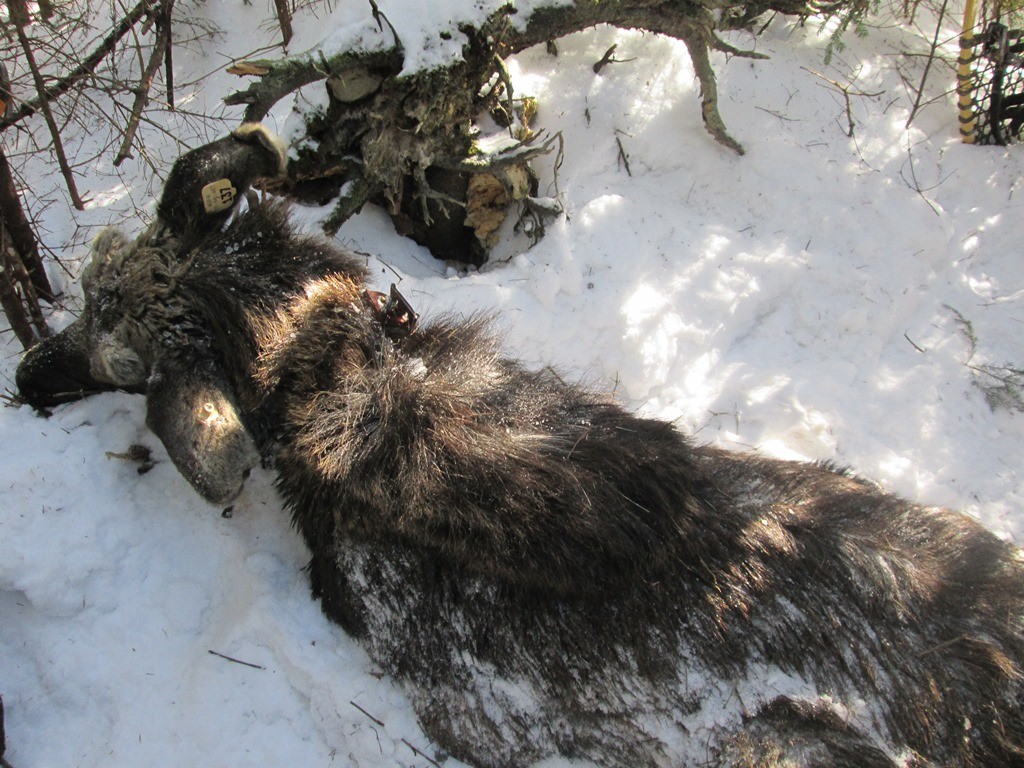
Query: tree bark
column 11, row 302
column 13, row 218
column 22, row 276
column 407, row 141
column 284, row 20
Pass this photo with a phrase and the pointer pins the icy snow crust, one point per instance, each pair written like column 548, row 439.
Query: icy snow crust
column 810, row 299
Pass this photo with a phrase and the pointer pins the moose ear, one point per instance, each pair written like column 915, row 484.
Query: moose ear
column 191, row 409
column 205, row 183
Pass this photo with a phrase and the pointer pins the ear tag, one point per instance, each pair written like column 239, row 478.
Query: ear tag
column 218, row 195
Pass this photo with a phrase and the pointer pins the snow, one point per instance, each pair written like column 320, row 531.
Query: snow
column 810, row 299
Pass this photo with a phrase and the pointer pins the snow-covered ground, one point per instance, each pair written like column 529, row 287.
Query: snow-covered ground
column 823, row 297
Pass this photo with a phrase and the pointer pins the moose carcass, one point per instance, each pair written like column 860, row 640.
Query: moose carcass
column 543, row 572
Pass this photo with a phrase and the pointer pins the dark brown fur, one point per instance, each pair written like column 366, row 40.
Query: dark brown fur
column 548, row 574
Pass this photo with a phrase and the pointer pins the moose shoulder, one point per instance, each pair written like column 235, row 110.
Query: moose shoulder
column 543, row 572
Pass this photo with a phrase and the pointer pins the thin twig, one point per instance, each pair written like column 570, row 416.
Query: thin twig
column 3, row 734
column 916, row 186
column 847, row 93
column 168, row 55
column 905, row 336
column 779, row 115
column 421, row 753
column 623, row 157
column 381, row 723
column 928, row 65
column 607, row 59
column 556, row 166
column 236, row 661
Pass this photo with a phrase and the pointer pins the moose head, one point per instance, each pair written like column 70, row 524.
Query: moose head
column 147, row 324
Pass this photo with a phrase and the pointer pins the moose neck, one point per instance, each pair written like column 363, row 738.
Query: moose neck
column 252, row 279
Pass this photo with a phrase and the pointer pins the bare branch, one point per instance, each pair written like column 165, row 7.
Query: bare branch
column 846, row 90
column 928, row 65
column 608, row 59
column 168, row 54
column 623, row 158
column 19, row 15
column 12, row 304
column 516, row 154
column 84, row 69
column 163, row 41
column 713, row 122
column 279, row 78
column 20, row 231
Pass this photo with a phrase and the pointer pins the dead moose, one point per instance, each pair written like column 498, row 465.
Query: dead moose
column 543, row 572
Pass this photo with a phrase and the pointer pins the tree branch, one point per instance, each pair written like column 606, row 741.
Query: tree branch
column 284, row 20
column 928, row 65
column 353, row 197
column 411, row 136
column 279, row 78
column 517, row 154
column 691, row 22
column 166, row 20
column 847, row 93
column 160, row 48
column 713, row 122
column 86, row 68
column 10, row 302
column 20, row 231
column 19, row 15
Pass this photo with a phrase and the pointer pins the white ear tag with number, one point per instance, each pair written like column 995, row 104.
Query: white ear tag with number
column 218, row 195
